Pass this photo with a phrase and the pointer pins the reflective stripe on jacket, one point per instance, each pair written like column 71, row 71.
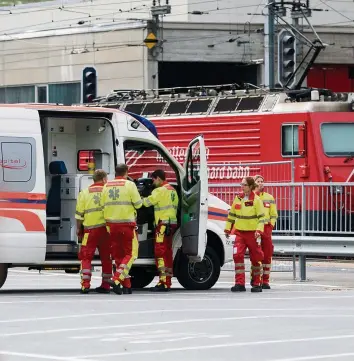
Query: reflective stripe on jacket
column 246, row 214
column 88, row 207
column 120, row 199
column 165, row 202
column 270, row 208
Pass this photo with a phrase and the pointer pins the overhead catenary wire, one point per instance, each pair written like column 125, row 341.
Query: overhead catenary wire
column 108, row 47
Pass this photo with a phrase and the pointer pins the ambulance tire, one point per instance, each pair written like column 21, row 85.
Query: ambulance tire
column 3, row 273
column 141, row 277
column 199, row 275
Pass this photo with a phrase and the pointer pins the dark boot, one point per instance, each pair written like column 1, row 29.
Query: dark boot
column 256, row 289
column 265, row 286
column 102, row 290
column 159, row 288
column 84, row 290
column 127, row 291
column 238, row 288
column 117, row 289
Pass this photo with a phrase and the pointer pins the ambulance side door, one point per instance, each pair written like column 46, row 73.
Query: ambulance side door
column 194, row 202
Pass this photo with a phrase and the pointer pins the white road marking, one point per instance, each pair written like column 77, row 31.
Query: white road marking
column 42, row 357
column 120, row 334
column 157, row 323
column 164, row 340
column 76, row 277
column 220, row 297
column 89, row 315
column 299, row 284
column 235, row 344
column 181, row 338
column 318, row 357
column 308, row 285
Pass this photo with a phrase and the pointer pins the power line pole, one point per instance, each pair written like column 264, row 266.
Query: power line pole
column 154, row 39
column 269, row 46
column 300, row 11
column 157, row 11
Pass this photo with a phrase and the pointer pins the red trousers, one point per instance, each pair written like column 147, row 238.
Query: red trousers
column 124, row 244
column 164, row 254
column 244, row 240
column 268, row 248
column 95, row 238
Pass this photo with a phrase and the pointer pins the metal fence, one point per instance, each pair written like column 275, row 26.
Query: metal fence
column 305, row 208
column 314, row 219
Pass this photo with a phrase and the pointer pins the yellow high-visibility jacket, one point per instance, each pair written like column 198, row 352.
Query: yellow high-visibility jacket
column 88, row 207
column 165, row 202
column 246, row 214
column 270, row 208
column 120, row 199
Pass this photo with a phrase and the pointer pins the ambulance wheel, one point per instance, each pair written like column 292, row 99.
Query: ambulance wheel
column 141, row 277
column 3, row 274
column 199, row 275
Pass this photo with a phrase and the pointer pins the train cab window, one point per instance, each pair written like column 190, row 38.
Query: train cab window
column 331, row 132
column 290, row 140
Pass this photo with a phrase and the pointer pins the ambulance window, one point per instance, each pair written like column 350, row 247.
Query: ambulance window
column 17, row 164
column 193, row 166
column 290, row 140
column 86, row 156
column 143, row 158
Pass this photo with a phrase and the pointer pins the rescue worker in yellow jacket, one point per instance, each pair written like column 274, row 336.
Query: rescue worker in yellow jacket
column 164, row 199
column 120, row 199
column 91, row 227
column 271, row 216
column 247, row 217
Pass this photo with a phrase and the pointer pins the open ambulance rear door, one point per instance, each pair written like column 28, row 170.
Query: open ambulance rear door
column 194, row 202
column 22, row 187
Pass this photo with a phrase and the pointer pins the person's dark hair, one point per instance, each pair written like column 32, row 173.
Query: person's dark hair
column 258, row 176
column 99, row 175
column 159, row 173
column 121, row 170
column 251, row 183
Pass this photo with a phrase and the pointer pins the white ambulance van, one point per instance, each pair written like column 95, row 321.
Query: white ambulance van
column 42, row 148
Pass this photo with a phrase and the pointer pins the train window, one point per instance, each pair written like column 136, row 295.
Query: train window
column 177, row 107
column 227, row 105
column 331, row 132
column 154, row 108
column 290, row 140
column 135, row 108
column 199, row 106
column 249, row 104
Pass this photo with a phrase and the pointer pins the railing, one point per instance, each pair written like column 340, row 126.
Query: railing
column 314, row 218
column 305, row 208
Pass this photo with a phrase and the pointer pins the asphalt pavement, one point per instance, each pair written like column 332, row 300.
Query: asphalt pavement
column 43, row 317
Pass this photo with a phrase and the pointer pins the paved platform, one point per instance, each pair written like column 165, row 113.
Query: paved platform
column 42, row 317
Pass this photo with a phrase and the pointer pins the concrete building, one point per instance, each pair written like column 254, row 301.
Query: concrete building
column 44, row 47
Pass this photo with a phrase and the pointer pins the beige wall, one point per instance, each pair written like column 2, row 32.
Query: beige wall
column 45, row 60
column 122, row 61
column 56, row 14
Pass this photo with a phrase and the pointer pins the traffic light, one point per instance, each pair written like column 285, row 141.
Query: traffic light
column 89, row 85
column 286, row 57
